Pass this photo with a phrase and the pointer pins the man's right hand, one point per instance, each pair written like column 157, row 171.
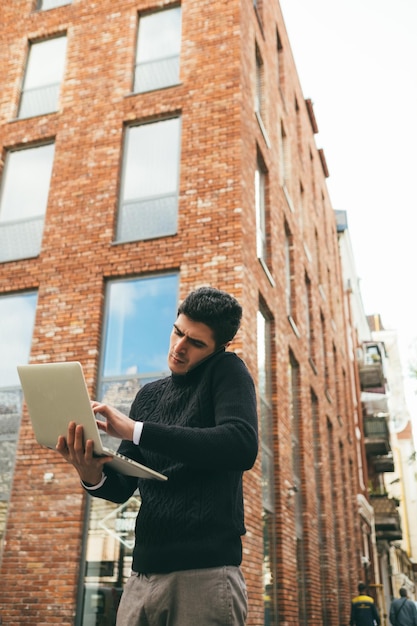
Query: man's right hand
column 80, row 454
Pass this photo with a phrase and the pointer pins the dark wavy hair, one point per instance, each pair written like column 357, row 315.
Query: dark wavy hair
column 217, row 309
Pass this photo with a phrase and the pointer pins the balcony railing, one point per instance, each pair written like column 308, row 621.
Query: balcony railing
column 387, row 518
column 377, row 438
column 371, row 376
column 146, row 218
column 39, row 100
column 383, row 464
column 157, row 74
column 21, row 239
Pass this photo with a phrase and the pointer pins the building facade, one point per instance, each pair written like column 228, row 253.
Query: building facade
column 149, row 147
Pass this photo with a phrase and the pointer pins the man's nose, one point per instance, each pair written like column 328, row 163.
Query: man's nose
column 181, row 344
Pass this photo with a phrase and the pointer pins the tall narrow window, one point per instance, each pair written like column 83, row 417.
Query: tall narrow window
column 289, row 274
column 280, row 62
column 295, row 415
column 149, row 194
column 323, row 342
column 308, row 318
column 301, row 206
column 285, row 157
column 317, row 256
column 260, row 206
column 158, row 50
column 17, row 316
column 23, row 201
column 321, row 494
column 334, row 521
column 267, row 456
column 259, row 90
column 44, row 73
column 139, row 318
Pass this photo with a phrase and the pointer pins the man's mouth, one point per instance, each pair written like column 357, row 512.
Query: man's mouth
column 176, row 358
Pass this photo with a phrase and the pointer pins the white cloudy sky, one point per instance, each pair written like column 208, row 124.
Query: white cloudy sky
column 357, row 61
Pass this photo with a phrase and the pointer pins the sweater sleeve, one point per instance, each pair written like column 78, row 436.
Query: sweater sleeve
column 116, row 488
column 231, row 443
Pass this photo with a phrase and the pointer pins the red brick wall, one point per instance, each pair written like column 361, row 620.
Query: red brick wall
column 215, row 244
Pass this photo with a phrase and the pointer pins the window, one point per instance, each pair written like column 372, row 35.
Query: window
column 280, row 62
column 285, row 159
column 44, row 5
column 296, row 491
column 139, row 317
column 149, row 194
column 264, row 336
column 259, row 90
column 289, row 273
column 260, row 206
column 17, row 315
column 321, row 489
column 23, row 201
column 44, row 73
column 158, row 50
column 308, row 318
column 257, row 4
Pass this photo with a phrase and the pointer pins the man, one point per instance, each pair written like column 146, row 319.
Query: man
column 403, row 612
column 199, row 427
column 363, row 609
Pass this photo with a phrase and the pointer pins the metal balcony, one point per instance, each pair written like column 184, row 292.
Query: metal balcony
column 383, row 463
column 371, row 376
column 387, row 518
column 377, row 438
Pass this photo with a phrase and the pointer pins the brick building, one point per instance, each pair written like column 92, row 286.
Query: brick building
column 101, row 234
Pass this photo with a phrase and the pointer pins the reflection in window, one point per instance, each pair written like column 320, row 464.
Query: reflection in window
column 149, row 196
column 44, row 73
column 158, row 51
column 17, row 315
column 139, row 318
column 23, row 201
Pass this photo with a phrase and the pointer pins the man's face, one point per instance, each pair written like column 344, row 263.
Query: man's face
column 190, row 343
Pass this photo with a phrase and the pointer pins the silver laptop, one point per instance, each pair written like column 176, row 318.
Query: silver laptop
column 56, row 394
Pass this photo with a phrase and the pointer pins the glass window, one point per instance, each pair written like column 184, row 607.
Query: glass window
column 296, row 493
column 23, row 201
column 284, row 157
column 289, row 295
column 264, row 347
column 17, row 316
column 260, row 207
column 44, row 73
column 44, row 5
column 149, row 194
column 158, row 50
column 139, row 317
column 259, row 88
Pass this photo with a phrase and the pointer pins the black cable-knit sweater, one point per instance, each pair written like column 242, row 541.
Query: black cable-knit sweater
column 200, row 430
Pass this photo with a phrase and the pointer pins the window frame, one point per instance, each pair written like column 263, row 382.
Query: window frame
column 50, row 90
column 166, row 202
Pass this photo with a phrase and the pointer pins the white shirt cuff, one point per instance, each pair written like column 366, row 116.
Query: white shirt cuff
column 100, row 484
column 137, row 432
